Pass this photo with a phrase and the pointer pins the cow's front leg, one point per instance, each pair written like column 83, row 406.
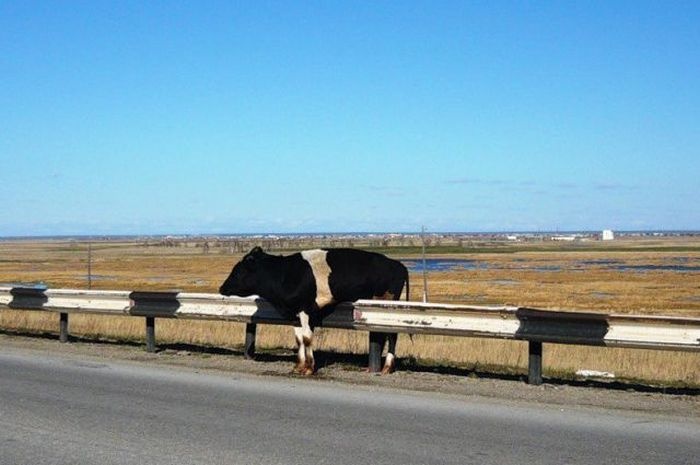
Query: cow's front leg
column 301, row 350
column 307, row 336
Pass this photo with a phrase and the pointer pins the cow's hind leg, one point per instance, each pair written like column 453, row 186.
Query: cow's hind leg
column 390, row 361
column 307, row 336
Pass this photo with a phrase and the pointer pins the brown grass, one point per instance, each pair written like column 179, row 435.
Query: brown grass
column 512, row 278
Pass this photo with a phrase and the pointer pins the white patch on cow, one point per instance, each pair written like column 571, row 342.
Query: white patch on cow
column 301, row 353
column 306, row 332
column 321, row 271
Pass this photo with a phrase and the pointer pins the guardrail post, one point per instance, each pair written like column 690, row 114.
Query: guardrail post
column 376, row 343
column 150, row 334
column 63, row 334
column 534, row 363
column 250, row 330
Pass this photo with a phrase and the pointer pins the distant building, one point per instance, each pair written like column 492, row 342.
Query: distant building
column 564, row 238
column 608, row 235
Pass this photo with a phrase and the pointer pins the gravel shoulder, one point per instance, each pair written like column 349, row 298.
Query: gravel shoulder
column 556, row 394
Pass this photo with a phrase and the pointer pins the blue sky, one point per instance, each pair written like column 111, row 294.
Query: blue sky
column 226, row 117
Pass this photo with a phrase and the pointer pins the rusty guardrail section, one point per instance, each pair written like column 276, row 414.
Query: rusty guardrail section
column 506, row 322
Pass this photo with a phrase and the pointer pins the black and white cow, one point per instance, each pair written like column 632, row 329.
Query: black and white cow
column 309, row 283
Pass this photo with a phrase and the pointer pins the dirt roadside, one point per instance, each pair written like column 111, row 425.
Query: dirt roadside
column 508, row 389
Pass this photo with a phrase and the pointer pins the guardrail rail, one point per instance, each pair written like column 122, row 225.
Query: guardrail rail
column 505, row 322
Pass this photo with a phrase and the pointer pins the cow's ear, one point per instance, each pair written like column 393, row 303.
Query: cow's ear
column 256, row 251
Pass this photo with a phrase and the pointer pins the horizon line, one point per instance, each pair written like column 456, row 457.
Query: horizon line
column 359, row 233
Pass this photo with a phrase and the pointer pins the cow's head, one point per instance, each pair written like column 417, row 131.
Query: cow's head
column 244, row 278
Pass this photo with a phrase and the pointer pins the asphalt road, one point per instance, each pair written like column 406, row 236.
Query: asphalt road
column 70, row 410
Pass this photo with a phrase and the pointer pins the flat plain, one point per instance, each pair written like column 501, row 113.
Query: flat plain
column 653, row 276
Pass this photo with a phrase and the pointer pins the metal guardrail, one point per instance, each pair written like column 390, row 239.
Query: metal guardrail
column 522, row 323
column 504, row 322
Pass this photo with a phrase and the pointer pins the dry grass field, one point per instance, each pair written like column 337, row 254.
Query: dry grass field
column 645, row 276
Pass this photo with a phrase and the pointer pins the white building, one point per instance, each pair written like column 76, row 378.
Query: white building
column 608, row 235
column 564, row 238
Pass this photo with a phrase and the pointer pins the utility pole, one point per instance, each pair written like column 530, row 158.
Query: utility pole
column 425, row 270
column 89, row 270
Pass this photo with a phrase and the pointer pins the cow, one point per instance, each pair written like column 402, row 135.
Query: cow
column 308, row 284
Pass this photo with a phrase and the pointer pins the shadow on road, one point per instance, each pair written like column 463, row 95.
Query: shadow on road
column 358, row 362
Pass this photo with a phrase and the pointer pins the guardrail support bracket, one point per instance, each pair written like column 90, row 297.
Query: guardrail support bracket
column 150, row 334
column 63, row 334
column 376, row 344
column 534, row 363
column 249, row 351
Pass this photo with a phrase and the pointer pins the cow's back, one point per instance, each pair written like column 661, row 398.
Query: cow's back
column 358, row 274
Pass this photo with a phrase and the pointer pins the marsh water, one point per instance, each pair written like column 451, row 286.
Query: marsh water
column 681, row 264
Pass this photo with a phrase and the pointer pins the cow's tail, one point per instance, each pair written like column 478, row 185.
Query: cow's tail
column 408, row 292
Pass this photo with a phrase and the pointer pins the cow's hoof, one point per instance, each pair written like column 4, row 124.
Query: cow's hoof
column 307, row 371
column 389, row 364
column 298, row 368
